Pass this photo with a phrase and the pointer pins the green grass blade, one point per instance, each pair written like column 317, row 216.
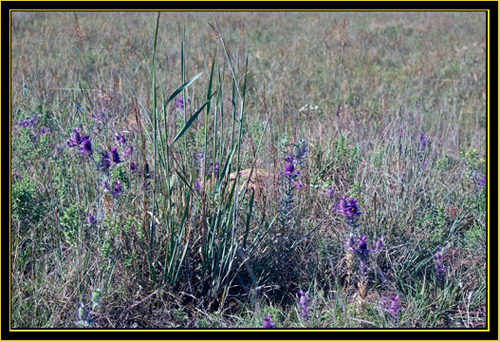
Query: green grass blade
column 189, row 123
column 184, row 86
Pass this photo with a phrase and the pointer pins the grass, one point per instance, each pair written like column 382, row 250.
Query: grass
column 210, row 231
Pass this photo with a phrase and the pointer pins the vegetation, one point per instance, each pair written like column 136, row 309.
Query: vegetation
column 248, row 170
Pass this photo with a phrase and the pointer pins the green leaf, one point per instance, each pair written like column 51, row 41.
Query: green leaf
column 184, row 86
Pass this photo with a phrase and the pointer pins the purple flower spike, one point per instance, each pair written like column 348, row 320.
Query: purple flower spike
column 393, row 308
column 118, row 188
column 353, row 208
column 347, row 207
column 482, row 181
column 179, row 104
column 305, row 305
column 76, row 139
column 350, row 242
column 330, row 193
column 120, row 138
column 91, row 219
column 197, row 186
column 267, row 323
column 105, row 161
column 132, row 167
column 86, row 147
column 438, row 255
column 115, row 155
column 362, row 246
column 424, row 140
column 379, row 245
column 289, row 168
column 97, row 116
column 438, row 260
column 146, row 169
column 128, row 151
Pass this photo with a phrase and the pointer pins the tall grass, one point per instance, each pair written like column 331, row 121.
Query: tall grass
column 214, row 227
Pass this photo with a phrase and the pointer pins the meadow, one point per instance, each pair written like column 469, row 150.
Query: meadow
column 248, row 170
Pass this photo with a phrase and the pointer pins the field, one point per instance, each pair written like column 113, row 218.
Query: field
column 248, row 170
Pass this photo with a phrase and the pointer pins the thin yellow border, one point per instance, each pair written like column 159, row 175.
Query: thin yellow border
column 276, row 330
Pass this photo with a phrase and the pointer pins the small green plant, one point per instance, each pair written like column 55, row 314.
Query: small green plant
column 71, row 224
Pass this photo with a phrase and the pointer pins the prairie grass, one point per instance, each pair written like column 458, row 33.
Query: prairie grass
column 247, row 129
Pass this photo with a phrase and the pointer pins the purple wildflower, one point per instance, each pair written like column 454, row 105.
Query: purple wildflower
column 120, row 138
column 132, row 167
column 105, row 185
column 289, row 168
column 342, row 206
column 330, row 193
column 350, row 242
column 197, row 186
column 379, row 245
column 86, row 147
column 90, row 219
column 482, row 181
column 146, row 169
column 305, row 305
column 424, row 140
column 118, row 188
column 43, row 131
column 299, row 185
column 267, row 323
column 363, row 246
column 76, row 140
column 105, row 161
column 478, row 178
column 353, row 208
column 350, row 210
column 438, row 260
column 28, row 122
column 393, row 307
column 347, row 207
column 97, row 116
column 115, row 156
column 117, row 191
column 128, row 152
column 179, row 104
